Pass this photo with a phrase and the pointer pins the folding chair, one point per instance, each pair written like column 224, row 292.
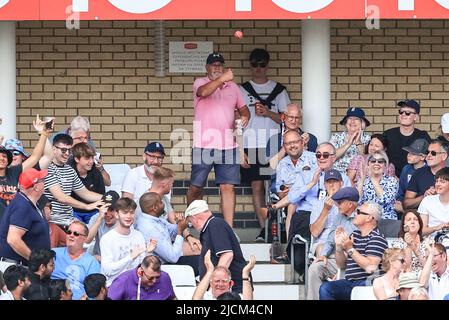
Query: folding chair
column 363, row 293
column 180, row 275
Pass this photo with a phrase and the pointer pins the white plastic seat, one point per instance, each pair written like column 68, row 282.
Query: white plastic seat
column 363, row 293
column 117, row 172
column 184, row 293
column 180, row 275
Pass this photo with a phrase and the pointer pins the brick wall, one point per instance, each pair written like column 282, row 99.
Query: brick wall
column 105, row 71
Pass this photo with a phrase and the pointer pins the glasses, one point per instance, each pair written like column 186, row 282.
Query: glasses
column 323, row 155
column 75, row 233
column 82, row 138
column 258, row 64
column 16, row 153
column 64, row 150
column 153, row 157
column 291, row 143
column 407, row 113
column 434, row 153
column 151, row 279
column 361, row 212
column 292, row 118
column 380, row 161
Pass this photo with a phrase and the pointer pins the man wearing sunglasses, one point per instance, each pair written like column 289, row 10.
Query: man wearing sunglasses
column 405, row 134
column 423, row 180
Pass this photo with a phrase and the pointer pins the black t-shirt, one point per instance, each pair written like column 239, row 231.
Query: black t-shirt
column 93, row 181
column 8, row 186
column 421, row 180
column 38, row 289
column 218, row 236
column 396, row 140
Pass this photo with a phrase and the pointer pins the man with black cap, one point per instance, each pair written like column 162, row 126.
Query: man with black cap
column 405, row 134
column 140, row 179
column 215, row 98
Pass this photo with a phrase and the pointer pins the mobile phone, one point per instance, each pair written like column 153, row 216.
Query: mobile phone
column 97, row 157
column 49, row 124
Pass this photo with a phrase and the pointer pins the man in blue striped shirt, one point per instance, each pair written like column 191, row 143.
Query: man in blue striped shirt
column 360, row 254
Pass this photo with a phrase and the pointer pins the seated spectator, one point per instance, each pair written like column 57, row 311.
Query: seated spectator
column 145, row 282
column 17, row 280
column 359, row 163
column 416, row 159
column 435, row 274
column 102, row 222
column 434, row 209
column 407, row 281
column 360, row 255
column 175, row 244
column 411, row 240
column 220, row 282
column 95, row 287
column 42, row 264
column 123, row 248
column 62, row 180
column 163, row 179
column 57, row 234
column 423, row 180
column 60, row 290
column 83, row 164
column 418, row 293
column 386, row 286
column 351, row 142
column 73, row 263
column 376, row 186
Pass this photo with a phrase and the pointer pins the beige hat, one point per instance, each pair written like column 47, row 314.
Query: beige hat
column 408, row 280
column 197, row 206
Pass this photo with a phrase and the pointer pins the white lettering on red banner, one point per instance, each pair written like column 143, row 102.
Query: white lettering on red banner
column 3, row 2
column 139, row 6
column 302, row 6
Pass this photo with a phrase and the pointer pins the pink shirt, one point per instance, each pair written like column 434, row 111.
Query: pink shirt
column 214, row 116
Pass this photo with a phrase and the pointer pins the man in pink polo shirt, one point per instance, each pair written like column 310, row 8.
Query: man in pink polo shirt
column 215, row 99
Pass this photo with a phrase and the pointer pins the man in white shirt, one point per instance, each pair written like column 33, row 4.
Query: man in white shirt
column 17, row 280
column 435, row 274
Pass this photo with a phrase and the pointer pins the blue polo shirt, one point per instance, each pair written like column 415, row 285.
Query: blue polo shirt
column 422, row 179
column 23, row 214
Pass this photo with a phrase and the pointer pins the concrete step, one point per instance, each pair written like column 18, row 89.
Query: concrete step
column 275, row 291
column 263, row 272
column 260, row 250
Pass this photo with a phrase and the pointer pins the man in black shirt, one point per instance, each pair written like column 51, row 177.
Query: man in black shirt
column 405, row 134
column 42, row 264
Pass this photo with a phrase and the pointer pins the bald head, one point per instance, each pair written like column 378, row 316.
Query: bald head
column 148, row 201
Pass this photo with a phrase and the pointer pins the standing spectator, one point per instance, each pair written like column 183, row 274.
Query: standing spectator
column 351, row 142
column 145, row 282
column 423, row 180
column 140, row 179
column 360, row 255
column 405, row 134
column 62, row 180
column 435, row 274
column 215, row 99
column 386, row 286
column 265, row 99
column 123, row 247
column 378, row 187
column 219, row 237
column 73, row 263
column 42, row 264
column 90, row 176
column 24, row 227
column 416, row 159
column 17, row 280
column 95, row 286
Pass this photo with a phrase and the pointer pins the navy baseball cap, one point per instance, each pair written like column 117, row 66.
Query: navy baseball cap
column 347, row 193
column 355, row 112
column 155, row 147
column 332, row 174
column 411, row 104
column 418, row 147
column 214, row 57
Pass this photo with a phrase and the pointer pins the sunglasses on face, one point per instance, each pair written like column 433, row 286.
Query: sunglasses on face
column 75, row 233
column 16, row 153
column 407, row 113
column 154, row 278
column 434, row 153
column 363, row 213
column 64, row 150
column 380, row 161
column 258, row 64
column 324, row 155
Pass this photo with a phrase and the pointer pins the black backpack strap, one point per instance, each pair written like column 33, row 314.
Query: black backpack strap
column 276, row 91
column 248, row 87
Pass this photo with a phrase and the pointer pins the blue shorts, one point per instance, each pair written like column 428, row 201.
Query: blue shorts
column 84, row 216
column 224, row 162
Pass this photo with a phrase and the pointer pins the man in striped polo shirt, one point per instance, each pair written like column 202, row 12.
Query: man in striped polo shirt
column 360, row 254
column 61, row 180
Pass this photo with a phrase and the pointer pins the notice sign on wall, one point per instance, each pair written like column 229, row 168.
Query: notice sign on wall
column 189, row 57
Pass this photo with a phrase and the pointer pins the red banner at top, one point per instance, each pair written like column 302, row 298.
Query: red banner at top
column 222, row 10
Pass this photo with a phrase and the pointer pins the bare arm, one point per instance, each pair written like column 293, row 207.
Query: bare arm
column 14, row 239
column 277, row 157
column 61, row 197
column 127, row 195
column 88, row 195
column 226, row 259
column 247, row 290
column 204, row 283
column 207, row 89
column 379, row 290
column 47, row 158
column 37, row 152
column 412, row 200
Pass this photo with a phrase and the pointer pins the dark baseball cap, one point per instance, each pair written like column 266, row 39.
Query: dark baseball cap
column 155, row 147
column 411, row 104
column 332, row 174
column 418, row 147
column 111, row 197
column 347, row 193
column 214, row 57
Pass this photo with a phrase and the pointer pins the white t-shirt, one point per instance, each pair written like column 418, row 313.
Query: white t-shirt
column 438, row 213
column 115, row 253
column 260, row 129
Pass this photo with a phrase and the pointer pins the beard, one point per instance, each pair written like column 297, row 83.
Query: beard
column 149, row 167
column 215, row 75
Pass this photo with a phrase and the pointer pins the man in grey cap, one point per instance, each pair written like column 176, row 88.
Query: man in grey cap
column 324, row 266
column 416, row 158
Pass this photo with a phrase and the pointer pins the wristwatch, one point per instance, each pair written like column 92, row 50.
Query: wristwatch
column 351, row 252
